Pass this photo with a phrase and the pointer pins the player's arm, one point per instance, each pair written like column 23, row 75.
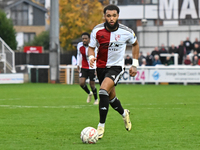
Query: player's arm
column 78, row 58
column 91, row 54
column 135, row 55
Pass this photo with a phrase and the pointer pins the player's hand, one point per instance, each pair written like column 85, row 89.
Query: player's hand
column 78, row 68
column 133, row 71
column 92, row 60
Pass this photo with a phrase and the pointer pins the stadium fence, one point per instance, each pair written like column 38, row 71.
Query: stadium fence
column 147, row 74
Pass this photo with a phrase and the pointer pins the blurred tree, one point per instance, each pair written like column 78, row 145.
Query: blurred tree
column 7, row 31
column 41, row 40
column 77, row 17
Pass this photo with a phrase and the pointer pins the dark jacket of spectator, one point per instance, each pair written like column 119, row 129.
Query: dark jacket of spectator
column 197, row 48
column 196, row 42
column 188, row 45
column 168, row 61
column 128, row 60
column 141, row 56
column 181, row 52
column 195, row 60
column 155, row 52
column 172, row 49
column 149, row 59
column 162, row 51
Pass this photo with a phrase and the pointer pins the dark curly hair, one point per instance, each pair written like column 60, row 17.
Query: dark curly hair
column 111, row 7
column 85, row 33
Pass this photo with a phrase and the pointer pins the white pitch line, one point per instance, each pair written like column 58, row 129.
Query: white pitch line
column 21, row 106
column 10, row 99
column 69, row 106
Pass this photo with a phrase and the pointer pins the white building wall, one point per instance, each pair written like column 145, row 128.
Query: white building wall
column 8, row 13
column 30, row 15
column 20, row 39
column 155, row 36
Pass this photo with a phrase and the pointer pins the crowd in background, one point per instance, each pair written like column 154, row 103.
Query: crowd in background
column 188, row 54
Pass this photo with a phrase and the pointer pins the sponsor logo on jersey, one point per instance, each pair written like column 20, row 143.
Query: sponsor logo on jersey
column 102, row 37
column 114, row 46
column 117, row 37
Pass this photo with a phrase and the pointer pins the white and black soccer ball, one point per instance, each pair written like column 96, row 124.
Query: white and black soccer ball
column 89, row 135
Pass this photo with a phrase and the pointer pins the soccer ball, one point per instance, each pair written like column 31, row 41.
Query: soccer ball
column 89, row 135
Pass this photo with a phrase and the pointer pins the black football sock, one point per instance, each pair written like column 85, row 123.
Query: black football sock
column 103, row 105
column 95, row 93
column 85, row 88
column 116, row 105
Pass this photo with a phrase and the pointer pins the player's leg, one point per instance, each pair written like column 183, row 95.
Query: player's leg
column 106, row 85
column 83, row 75
column 116, row 105
column 104, row 91
column 92, row 85
column 94, row 91
column 83, row 85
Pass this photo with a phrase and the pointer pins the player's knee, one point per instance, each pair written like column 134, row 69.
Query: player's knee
column 92, row 83
column 103, row 92
column 93, row 87
column 82, row 84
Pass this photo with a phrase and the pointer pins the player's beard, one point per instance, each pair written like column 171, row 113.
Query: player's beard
column 85, row 44
column 112, row 27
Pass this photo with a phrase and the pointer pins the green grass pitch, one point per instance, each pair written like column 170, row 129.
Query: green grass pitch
column 51, row 117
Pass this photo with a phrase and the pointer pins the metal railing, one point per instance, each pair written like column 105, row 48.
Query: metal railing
column 9, row 56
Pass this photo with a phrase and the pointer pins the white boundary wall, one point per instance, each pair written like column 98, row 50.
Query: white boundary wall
column 147, row 74
column 11, row 78
column 173, row 74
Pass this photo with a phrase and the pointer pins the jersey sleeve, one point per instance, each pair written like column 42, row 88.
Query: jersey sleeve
column 93, row 40
column 78, row 55
column 132, row 38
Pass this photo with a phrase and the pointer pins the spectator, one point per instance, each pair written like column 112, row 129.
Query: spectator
column 141, row 56
column 196, row 42
column 187, row 61
column 172, row 50
column 156, row 60
column 149, row 59
column 194, row 54
column 196, row 48
column 181, row 52
column 188, row 45
column 155, row 52
column 128, row 60
column 143, row 62
column 168, row 61
column 162, row 51
column 195, row 61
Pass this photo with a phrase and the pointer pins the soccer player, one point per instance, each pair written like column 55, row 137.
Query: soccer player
column 111, row 38
column 86, row 71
